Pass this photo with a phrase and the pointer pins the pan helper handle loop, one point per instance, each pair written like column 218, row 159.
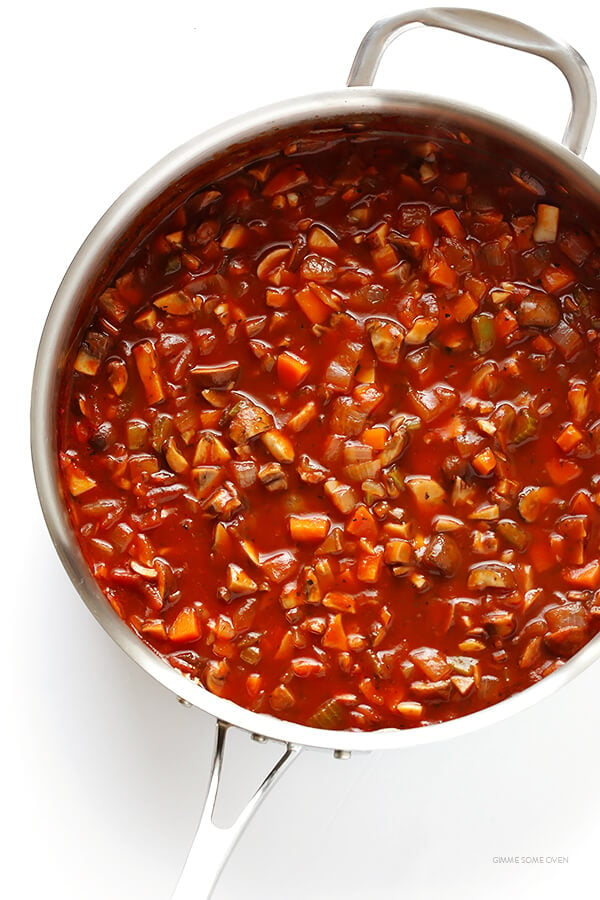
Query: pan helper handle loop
column 495, row 29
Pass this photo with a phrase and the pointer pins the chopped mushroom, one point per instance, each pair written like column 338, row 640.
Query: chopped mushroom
column 493, row 575
column 218, row 377
column 443, row 555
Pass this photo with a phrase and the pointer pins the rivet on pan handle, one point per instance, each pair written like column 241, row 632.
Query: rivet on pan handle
column 497, row 30
column 212, row 844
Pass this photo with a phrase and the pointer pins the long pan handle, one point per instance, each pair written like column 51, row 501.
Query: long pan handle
column 213, row 844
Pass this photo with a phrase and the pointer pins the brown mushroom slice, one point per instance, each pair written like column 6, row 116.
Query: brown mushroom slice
column 499, row 622
column 431, row 691
column 386, row 339
column 238, row 581
column 176, row 303
column 224, row 503
column 205, row 479
column 539, row 311
column 91, row 353
column 566, row 641
column 426, row 491
column 514, row 534
column 222, row 376
column 210, row 450
column 247, row 421
column 273, row 477
column 431, row 662
column 443, row 555
column 278, row 445
column 491, row 576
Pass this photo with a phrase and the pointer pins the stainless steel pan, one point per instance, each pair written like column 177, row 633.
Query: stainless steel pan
column 130, row 218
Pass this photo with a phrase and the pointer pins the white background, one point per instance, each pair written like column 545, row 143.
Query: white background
column 102, row 771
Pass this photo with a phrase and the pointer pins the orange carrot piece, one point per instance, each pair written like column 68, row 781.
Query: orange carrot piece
column 309, row 527
column 568, row 438
column 347, row 579
column 581, row 504
column 587, row 576
column 464, row 307
column 291, row 369
column 185, row 628
column 339, row 601
column 368, row 568
column 313, row 308
column 557, row 278
column 561, row 471
column 542, row 555
column 335, row 636
column 254, row 684
column 375, row 437
column 450, row 223
column 440, row 272
column 422, row 235
column 505, row 323
column 484, row 462
column 362, row 523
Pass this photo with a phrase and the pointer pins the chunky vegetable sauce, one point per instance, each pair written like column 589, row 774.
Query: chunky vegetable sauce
column 330, row 442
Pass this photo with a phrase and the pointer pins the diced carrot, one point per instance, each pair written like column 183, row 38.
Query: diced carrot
column 440, row 273
column 484, row 462
column 450, row 223
column 557, row 278
column 335, row 636
column 542, row 556
column 368, row 568
column 254, row 684
column 210, row 418
column 568, row 438
column 286, row 646
column 464, row 307
column 475, row 286
column 277, row 298
column 291, row 369
column 375, row 437
column 309, row 527
column 542, row 344
column 362, row 523
column 505, row 323
column 581, row 504
column 561, row 471
column 422, row 235
column 347, row 579
column 78, row 481
column 313, row 308
column 185, row 628
column 587, row 576
column 557, row 544
column 384, row 258
column 339, row 601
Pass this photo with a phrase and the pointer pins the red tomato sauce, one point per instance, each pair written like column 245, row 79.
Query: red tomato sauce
column 330, row 441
